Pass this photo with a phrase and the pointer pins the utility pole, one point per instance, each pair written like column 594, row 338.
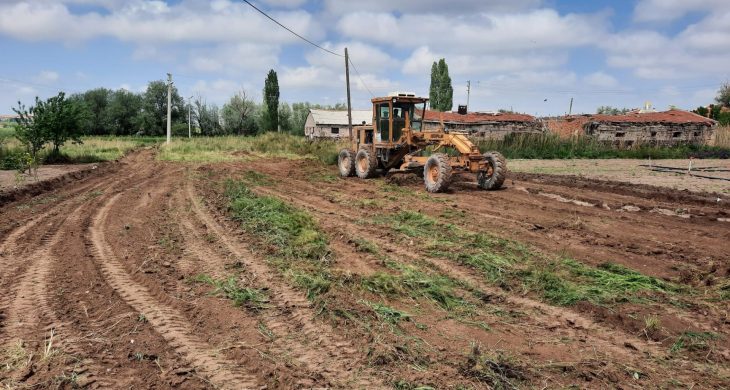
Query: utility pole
column 190, row 121
column 570, row 110
column 169, row 107
column 468, row 92
column 347, row 79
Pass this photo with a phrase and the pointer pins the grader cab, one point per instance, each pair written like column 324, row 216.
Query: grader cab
column 397, row 140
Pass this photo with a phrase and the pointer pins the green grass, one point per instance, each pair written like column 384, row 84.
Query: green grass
column 552, row 146
column 241, row 296
column 512, row 265
column 91, row 150
column 239, row 148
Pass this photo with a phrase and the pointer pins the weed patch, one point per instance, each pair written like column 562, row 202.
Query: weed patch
column 387, row 313
column 257, row 179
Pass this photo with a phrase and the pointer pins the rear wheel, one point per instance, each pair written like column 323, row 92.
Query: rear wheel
column 346, row 163
column 365, row 164
column 437, row 173
column 493, row 176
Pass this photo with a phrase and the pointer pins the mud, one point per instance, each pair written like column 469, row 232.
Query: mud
column 98, row 285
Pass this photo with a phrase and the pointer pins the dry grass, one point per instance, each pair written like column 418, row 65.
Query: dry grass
column 722, row 137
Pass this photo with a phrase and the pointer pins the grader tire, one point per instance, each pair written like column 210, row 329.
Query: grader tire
column 493, row 177
column 437, row 173
column 365, row 164
column 346, row 163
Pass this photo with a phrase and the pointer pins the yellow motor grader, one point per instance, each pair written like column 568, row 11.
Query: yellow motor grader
column 398, row 140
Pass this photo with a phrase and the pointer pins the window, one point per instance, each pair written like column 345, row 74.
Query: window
column 620, row 134
column 335, row 130
column 677, row 134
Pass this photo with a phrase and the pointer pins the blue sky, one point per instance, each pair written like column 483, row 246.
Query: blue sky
column 528, row 55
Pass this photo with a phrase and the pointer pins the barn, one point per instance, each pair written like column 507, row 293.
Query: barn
column 333, row 124
column 666, row 128
column 482, row 124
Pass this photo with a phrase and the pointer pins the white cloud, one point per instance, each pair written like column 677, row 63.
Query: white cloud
column 537, row 30
column 427, row 6
column 701, row 48
column 150, row 22
column 600, row 79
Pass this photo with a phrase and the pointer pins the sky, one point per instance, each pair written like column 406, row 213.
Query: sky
column 530, row 56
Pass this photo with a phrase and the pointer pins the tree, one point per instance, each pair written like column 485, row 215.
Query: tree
column 271, row 102
column 60, row 119
column 285, row 116
column 238, row 115
column 441, row 93
column 723, row 95
column 30, row 135
column 208, row 118
column 97, row 102
column 153, row 118
column 122, row 112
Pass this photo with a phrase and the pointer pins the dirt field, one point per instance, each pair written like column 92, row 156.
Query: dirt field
column 150, row 274
column 9, row 180
column 710, row 175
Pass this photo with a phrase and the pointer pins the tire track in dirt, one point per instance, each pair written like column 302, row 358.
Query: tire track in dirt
column 333, row 357
column 169, row 323
column 29, row 314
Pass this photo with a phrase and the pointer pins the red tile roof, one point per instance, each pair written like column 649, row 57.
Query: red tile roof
column 477, row 117
column 671, row 116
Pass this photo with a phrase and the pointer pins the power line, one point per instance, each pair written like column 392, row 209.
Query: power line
column 288, row 29
column 358, row 76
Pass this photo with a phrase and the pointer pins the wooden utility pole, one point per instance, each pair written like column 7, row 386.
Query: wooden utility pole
column 347, row 79
column 190, row 116
column 169, row 108
column 570, row 110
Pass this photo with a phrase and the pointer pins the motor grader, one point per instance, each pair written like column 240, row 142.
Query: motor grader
column 397, row 140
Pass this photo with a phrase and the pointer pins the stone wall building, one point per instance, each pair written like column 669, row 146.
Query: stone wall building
column 333, row 124
column 667, row 128
column 484, row 125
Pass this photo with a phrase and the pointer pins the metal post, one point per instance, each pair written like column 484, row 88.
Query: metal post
column 169, row 107
column 349, row 107
column 190, row 126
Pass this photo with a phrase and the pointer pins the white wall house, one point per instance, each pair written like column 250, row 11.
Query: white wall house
column 333, row 124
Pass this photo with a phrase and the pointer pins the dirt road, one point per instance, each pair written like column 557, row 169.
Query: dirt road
column 100, row 286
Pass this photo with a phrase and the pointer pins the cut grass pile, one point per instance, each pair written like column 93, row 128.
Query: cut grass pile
column 238, row 148
column 290, row 236
column 694, row 341
column 552, row 146
column 248, row 297
column 511, row 265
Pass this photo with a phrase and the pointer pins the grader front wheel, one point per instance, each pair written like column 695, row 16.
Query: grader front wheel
column 346, row 163
column 365, row 164
column 437, row 173
column 493, row 176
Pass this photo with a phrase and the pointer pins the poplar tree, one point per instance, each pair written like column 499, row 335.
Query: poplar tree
column 271, row 101
column 441, row 93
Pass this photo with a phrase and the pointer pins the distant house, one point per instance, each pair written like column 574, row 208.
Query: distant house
column 482, row 124
column 333, row 124
column 655, row 128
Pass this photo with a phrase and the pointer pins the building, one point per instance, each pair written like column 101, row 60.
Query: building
column 333, row 124
column 484, row 125
column 654, row 128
